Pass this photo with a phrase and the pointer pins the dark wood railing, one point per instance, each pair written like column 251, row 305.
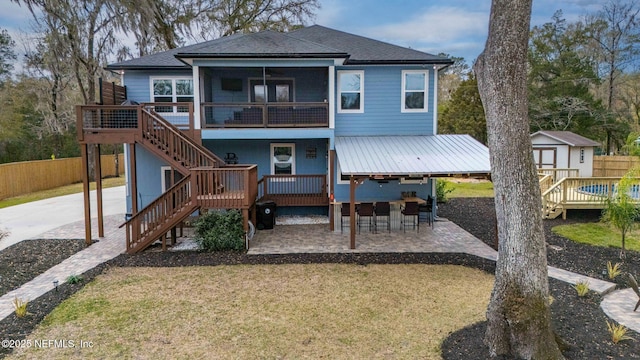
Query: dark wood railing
column 152, row 221
column 244, row 115
column 168, row 138
column 294, row 190
column 229, row 187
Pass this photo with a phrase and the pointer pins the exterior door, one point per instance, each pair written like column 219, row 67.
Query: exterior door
column 274, row 90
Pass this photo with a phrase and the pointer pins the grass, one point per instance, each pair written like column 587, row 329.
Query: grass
column 598, row 234
column 59, row 191
column 331, row 311
column 481, row 188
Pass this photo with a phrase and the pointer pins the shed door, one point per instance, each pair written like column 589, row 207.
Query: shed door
column 545, row 158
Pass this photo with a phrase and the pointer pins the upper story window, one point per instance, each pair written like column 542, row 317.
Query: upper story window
column 172, row 90
column 351, row 91
column 414, row 90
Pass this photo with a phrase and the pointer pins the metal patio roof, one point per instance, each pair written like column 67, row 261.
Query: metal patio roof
column 415, row 156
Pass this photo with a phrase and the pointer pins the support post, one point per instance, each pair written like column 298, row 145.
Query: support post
column 332, row 159
column 98, row 169
column 352, row 211
column 85, row 187
column 134, row 179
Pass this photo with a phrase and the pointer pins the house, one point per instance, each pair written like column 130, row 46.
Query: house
column 563, row 150
column 314, row 113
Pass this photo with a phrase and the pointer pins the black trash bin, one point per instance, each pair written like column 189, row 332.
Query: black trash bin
column 266, row 215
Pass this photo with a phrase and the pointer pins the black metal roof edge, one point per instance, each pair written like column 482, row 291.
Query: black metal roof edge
column 260, row 56
column 143, row 67
column 443, row 61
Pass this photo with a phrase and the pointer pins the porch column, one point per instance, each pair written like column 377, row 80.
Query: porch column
column 197, row 96
column 134, row 179
column 332, row 159
column 85, row 189
column 332, row 95
column 98, row 168
column 352, row 211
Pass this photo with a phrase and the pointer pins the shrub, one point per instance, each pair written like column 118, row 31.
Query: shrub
column 220, row 230
column 582, row 287
column 74, row 279
column 618, row 332
column 613, row 270
column 21, row 307
column 443, row 189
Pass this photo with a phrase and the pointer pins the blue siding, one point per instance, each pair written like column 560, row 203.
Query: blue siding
column 382, row 106
column 372, row 191
column 310, row 85
column 138, row 85
column 149, row 177
column 258, row 152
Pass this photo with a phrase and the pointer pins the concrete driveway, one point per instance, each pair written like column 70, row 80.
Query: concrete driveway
column 29, row 220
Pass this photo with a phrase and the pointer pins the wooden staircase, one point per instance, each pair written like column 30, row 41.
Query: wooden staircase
column 207, row 181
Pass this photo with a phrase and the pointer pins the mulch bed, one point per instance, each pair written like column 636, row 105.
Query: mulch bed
column 579, row 321
column 21, row 262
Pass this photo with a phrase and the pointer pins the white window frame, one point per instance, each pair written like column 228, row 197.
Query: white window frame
column 293, row 159
column 339, row 92
column 339, row 180
column 404, row 91
column 174, row 95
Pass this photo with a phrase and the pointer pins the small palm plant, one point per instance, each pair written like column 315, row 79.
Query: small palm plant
column 618, row 332
column 613, row 270
column 582, row 288
column 621, row 209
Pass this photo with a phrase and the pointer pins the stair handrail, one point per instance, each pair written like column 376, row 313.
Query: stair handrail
column 216, row 161
column 184, row 185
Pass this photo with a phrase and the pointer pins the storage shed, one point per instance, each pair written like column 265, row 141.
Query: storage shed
column 563, row 150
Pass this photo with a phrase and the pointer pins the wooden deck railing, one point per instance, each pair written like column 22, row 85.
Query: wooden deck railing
column 559, row 174
column 168, row 138
column 294, row 190
column 578, row 193
column 245, row 115
column 230, row 187
column 546, row 181
column 153, row 220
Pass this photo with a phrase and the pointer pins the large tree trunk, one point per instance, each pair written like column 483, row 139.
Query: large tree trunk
column 519, row 318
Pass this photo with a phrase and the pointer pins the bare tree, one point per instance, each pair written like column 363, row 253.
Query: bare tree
column 83, row 29
column 615, row 33
column 519, row 319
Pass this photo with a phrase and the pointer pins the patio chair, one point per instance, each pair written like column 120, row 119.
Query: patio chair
column 426, row 212
column 410, row 209
column 344, row 213
column 365, row 212
column 382, row 210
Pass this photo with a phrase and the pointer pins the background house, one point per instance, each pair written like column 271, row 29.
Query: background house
column 563, row 150
column 314, row 113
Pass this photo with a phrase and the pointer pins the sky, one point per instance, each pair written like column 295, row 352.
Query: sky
column 455, row 27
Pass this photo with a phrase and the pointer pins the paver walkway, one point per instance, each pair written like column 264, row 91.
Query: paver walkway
column 108, row 247
column 445, row 237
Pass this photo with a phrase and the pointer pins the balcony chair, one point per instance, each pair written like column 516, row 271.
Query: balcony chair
column 382, row 210
column 410, row 209
column 426, row 212
column 344, row 212
column 365, row 211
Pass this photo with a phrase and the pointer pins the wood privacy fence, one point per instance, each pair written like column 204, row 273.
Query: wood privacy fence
column 29, row 176
column 613, row 166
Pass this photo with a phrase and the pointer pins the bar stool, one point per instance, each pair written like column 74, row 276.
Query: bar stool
column 382, row 210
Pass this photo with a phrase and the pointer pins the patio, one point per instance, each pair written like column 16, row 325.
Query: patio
column 317, row 238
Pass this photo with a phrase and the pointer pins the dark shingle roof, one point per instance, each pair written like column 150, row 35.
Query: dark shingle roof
column 309, row 42
column 363, row 50
column 568, row 138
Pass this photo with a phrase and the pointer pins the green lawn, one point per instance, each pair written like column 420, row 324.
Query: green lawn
column 59, row 191
column 598, row 234
column 480, row 188
column 293, row 311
